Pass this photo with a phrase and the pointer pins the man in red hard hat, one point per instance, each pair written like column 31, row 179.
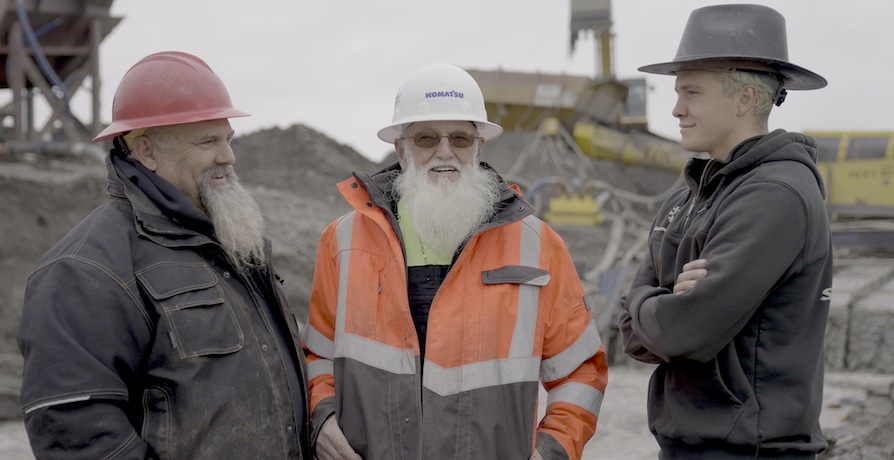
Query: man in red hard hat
column 157, row 327
column 732, row 299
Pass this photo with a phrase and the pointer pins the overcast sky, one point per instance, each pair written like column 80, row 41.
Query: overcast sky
column 335, row 66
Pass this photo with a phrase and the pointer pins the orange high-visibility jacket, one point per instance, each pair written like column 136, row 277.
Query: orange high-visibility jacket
column 510, row 314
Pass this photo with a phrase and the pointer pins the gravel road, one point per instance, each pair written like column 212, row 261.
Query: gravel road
column 622, row 433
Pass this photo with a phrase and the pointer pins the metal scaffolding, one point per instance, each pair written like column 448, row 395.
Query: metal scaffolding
column 49, row 50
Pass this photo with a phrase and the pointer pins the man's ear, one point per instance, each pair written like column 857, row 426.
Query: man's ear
column 145, row 152
column 747, row 99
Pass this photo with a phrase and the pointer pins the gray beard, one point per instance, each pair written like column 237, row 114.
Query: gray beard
column 446, row 213
column 237, row 219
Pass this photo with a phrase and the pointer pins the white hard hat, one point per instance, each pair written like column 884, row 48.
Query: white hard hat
column 439, row 92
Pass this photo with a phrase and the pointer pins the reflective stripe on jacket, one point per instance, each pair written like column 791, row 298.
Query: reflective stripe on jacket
column 510, row 313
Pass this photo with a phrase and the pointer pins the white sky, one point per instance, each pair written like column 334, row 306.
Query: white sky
column 335, row 65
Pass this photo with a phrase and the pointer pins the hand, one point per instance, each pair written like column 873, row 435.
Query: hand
column 536, row 455
column 332, row 444
column 692, row 272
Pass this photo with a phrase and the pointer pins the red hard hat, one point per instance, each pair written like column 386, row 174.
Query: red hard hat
column 168, row 88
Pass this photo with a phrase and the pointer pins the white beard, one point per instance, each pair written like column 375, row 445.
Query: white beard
column 445, row 213
column 236, row 217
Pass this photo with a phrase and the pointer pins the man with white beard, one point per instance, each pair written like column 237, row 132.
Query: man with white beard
column 440, row 303
column 157, row 327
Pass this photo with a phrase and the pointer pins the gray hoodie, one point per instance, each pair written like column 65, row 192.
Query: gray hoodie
column 740, row 355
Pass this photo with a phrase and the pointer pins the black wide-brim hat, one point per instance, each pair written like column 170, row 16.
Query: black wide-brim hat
column 745, row 37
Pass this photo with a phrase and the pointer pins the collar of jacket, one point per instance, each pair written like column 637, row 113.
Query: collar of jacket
column 149, row 217
column 778, row 145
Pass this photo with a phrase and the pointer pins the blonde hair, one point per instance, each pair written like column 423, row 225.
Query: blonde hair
column 765, row 84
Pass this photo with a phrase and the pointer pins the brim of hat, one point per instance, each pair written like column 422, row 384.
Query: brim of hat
column 120, row 127
column 796, row 77
column 486, row 129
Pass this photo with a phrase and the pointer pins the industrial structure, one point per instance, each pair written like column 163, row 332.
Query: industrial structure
column 49, row 51
column 581, row 119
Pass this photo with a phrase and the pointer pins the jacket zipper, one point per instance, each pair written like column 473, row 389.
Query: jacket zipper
column 698, row 194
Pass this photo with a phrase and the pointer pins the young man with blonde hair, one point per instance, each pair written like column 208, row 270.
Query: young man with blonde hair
column 732, row 298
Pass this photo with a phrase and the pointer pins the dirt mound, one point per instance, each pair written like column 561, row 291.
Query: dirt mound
column 297, row 159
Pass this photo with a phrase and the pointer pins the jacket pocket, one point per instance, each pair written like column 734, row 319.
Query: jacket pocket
column 200, row 320
column 691, row 401
column 157, row 421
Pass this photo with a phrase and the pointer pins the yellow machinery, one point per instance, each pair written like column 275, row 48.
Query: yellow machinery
column 596, row 111
column 574, row 209
column 858, row 170
column 604, row 118
column 632, row 147
column 857, row 167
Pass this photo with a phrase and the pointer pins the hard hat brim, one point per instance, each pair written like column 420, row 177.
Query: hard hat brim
column 121, row 127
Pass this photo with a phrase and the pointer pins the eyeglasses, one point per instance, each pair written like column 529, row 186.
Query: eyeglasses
column 431, row 139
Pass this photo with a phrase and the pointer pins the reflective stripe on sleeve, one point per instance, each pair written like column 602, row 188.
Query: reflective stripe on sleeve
column 566, row 362
column 318, row 343
column 579, row 394
column 57, row 402
column 319, row 367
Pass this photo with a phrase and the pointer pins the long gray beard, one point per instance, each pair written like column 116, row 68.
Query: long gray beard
column 237, row 219
column 446, row 213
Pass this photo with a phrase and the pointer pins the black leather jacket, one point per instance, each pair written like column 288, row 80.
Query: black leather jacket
column 142, row 341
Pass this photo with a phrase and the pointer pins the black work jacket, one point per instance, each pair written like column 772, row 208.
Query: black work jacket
column 141, row 340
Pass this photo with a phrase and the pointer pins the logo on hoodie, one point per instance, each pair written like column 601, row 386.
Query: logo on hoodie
column 672, row 215
column 669, row 219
